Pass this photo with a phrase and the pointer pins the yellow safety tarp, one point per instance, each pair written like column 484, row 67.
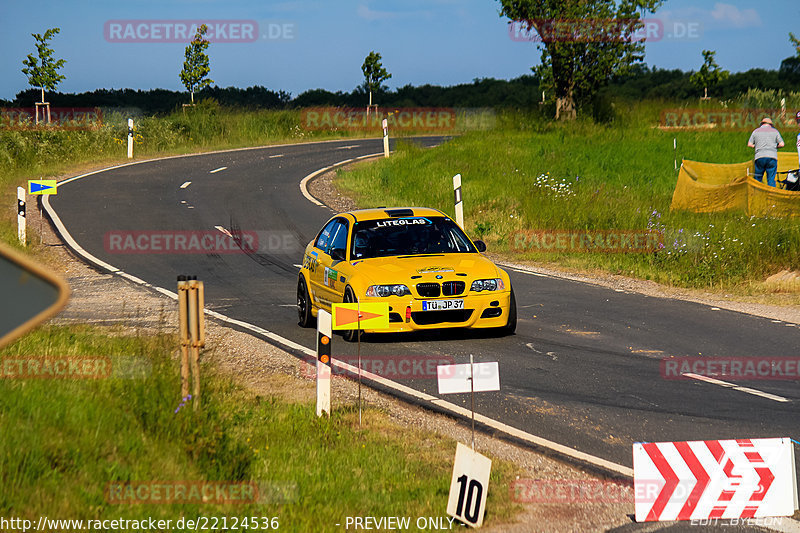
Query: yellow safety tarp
column 707, row 187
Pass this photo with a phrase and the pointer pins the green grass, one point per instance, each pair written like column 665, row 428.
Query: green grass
column 531, row 174
column 50, row 152
column 64, row 440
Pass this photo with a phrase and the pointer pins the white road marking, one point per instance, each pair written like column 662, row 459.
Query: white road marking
column 276, row 155
column 442, row 404
column 776, row 321
column 287, row 305
column 734, row 386
column 131, row 278
column 223, row 230
column 216, row 170
column 348, row 147
column 186, row 184
column 298, row 266
column 715, row 308
column 304, row 181
column 189, row 207
column 183, row 201
column 531, row 273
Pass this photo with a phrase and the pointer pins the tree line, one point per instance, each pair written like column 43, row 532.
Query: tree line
column 641, row 82
column 580, row 64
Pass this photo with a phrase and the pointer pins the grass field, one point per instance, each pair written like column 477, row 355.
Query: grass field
column 50, row 152
column 532, row 174
column 72, row 437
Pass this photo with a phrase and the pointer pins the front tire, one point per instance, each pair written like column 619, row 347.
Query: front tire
column 511, row 324
column 350, row 335
column 306, row 318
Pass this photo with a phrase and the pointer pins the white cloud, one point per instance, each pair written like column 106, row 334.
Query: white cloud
column 370, row 14
column 733, row 16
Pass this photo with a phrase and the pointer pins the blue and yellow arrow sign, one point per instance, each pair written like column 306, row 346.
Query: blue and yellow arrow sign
column 361, row 316
column 42, row 187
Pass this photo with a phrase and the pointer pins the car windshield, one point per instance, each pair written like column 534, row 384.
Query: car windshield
column 408, row 236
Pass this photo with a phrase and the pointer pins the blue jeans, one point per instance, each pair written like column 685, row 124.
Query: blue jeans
column 768, row 165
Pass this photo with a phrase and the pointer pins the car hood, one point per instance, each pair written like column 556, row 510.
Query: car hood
column 399, row 269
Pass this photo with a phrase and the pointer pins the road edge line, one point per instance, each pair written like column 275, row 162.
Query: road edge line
column 304, row 181
column 559, row 449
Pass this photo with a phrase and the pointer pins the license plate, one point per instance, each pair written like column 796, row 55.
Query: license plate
column 442, row 305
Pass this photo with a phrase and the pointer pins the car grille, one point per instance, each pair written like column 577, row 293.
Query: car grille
column 425, row 318
column 428, row 290
column 453, row 288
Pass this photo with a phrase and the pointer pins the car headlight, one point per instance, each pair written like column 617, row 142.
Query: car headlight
column 383, row 291
column 495, row 284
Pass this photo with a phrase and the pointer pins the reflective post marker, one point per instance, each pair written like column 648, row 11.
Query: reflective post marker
column 323, row 362
column 21, row 215
column 675, row 151
column 130, row 138
column 385, row 125
column 458, row 200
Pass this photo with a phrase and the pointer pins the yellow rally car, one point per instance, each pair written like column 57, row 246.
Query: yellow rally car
column 417, row 260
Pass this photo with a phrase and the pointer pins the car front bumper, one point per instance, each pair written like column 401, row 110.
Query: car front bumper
column 481, row 310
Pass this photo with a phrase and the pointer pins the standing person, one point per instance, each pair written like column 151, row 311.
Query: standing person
column 766, row 140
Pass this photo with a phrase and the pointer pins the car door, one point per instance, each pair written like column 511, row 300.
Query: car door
column 330, row 259
column 315, row 268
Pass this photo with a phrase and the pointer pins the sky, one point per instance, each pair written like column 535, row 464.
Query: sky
column 307, row 44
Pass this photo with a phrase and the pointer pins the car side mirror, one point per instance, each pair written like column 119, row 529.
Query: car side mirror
column 480, row 245
column 337, row 254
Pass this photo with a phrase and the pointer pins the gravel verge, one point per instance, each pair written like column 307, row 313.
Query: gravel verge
column 109, row 301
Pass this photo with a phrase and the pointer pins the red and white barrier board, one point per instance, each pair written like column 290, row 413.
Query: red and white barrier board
column 743, row 478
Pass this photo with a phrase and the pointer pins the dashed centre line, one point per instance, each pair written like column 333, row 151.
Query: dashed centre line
column 186, row 184
column 217, row 170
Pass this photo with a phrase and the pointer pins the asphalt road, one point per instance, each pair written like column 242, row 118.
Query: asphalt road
column 583, row 368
